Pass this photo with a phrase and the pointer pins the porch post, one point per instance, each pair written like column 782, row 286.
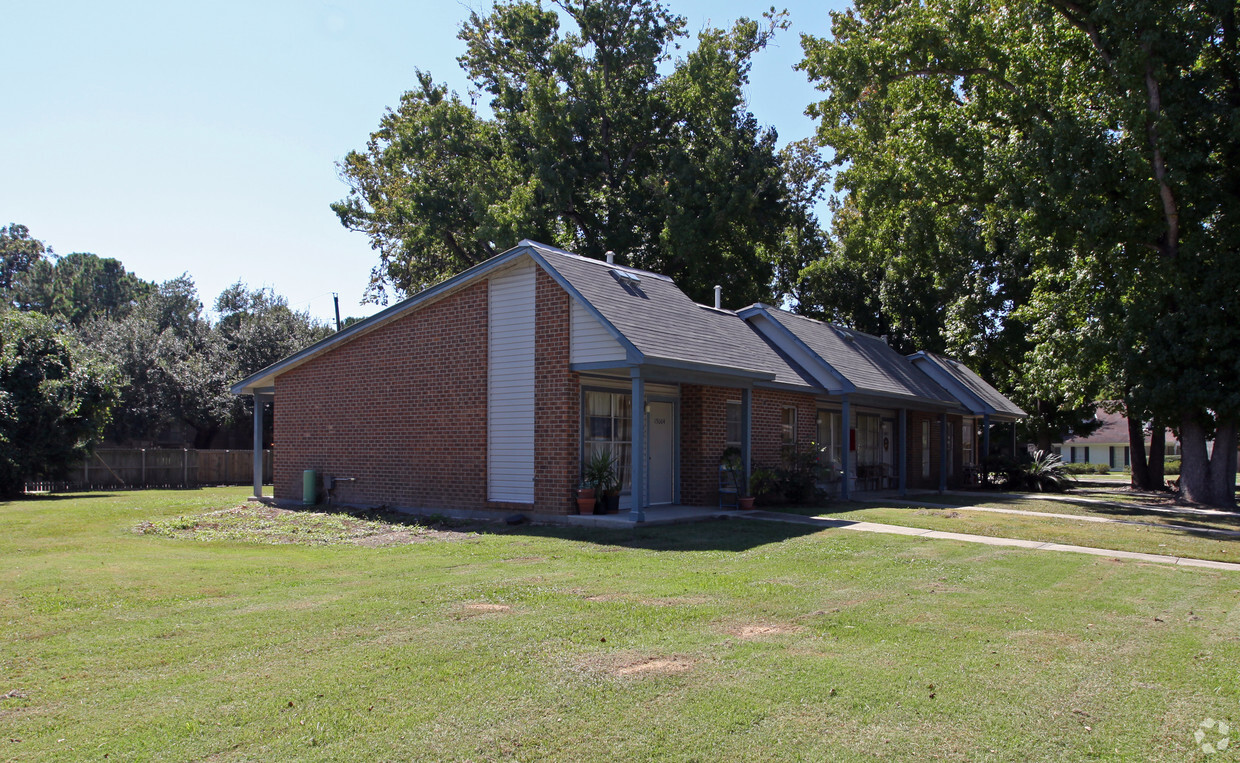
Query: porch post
column 985, row 448
column 902, row 449
column 845, row 426
column 259, row 401
column 746, row 419
column 638, row 491
column 943, row 454
column 1013, row 439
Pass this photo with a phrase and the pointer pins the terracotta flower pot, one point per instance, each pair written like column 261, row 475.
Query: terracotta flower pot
column 744, row 503
column 585, row 505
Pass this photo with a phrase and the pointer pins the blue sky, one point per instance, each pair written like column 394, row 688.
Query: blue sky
column 202, row 138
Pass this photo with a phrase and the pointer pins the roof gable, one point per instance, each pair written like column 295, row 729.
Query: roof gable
column 973, row 392
column 864, row 363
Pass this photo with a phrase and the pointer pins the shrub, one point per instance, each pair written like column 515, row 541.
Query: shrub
column 1078, row 468
column 1044, row 474
column 1171, row 467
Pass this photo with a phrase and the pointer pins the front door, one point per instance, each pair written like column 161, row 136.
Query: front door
column 889, row 458
column 661, row 452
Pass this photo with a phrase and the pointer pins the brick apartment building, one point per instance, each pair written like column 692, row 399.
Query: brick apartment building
column 491, row 389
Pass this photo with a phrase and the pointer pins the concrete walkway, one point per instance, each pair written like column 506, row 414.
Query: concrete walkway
column 1132, row 505
column 1078, row 517
column 875, row 527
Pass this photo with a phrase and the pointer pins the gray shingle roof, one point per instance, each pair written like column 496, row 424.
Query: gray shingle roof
column 866, row 361
column 963, row 375
column 663, row 323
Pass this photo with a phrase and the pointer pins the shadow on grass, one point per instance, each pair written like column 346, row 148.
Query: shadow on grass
column 35, row 497
column 737, row 534
column 1187, row 524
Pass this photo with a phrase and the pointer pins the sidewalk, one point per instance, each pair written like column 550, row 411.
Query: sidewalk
column 1078, row 517
column 875, row 527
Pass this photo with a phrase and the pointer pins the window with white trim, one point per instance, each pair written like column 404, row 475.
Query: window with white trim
column 925, row 449
column 609, row 426
column 788, row 426
column 830, row 437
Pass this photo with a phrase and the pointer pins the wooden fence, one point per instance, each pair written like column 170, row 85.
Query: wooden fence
column 119, row 468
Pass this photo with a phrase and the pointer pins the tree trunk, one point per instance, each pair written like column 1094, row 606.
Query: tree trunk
column 1204, row 479
column 1158, row 456
column 1223, row 464
column 1136, row 446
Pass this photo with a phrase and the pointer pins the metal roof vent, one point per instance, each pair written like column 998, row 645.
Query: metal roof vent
column 845, row 335
column 718, row 297
column 611, row 257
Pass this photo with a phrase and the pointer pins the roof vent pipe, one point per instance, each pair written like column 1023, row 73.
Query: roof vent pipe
column 611, row 257
column 718, row 297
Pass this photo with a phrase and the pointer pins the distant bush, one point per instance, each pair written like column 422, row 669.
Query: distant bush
column 1079, row 468
column 1171, row 467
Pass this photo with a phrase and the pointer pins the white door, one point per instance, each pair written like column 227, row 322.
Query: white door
column 661, row 452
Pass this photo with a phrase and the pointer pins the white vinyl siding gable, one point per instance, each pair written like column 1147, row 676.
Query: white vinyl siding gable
column 591, row 342
column 510, row 386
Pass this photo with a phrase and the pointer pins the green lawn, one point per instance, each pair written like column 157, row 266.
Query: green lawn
column 735, row 640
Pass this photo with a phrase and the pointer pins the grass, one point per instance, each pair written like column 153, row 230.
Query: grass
column 727, row 640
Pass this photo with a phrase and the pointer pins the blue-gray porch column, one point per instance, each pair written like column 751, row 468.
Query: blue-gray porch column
column 943, row 454
column 845, row 426
column 902, row 449
column 260, row 400
column 985, row 448
column 638, row 492
column 746, row 428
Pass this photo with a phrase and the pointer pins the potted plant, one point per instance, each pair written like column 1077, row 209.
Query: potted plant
column 600, row 473
column 585, row 498
column 732, row 468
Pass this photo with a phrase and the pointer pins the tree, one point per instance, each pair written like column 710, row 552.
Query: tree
column 588, row 146
column 54, row 400
column 258, row 328
column 18, row 253
column 1089, row 149
column 78, row 287
column 175, row 366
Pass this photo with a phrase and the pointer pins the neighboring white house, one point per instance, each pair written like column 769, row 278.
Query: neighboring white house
column 1108, row 444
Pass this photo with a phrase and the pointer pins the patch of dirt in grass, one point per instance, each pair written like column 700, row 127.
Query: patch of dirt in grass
column 757, row 631
column 604, row 597
column 652, row 666
column 483, row 606
column 945, row 514
column 259, row 523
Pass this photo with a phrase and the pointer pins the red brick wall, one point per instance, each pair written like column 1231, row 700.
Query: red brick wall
column 766, row 439
column 403, row 409
column 557, row 401
column 703, row 437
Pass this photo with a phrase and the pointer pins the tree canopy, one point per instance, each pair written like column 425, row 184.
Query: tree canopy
column 586, row 144
column 55, row 398
column 1058, row 177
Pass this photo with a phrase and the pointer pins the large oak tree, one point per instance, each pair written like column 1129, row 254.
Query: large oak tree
column 595, row 136
column 1077, row 166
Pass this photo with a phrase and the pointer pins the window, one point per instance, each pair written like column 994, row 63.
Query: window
column 608, row 426
column 869, row 440
column 966, row 442
column 788, row 426
column 1127, row 457
column 830, row 437
column 733, row 436
column 1086, row 457
column 950, row 455
column 925, row 449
